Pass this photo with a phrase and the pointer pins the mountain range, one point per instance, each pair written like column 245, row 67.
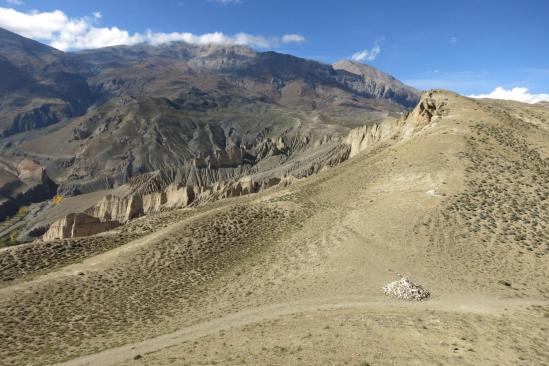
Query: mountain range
column 94, row 120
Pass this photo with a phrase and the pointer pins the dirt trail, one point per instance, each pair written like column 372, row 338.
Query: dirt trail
column 462, row 304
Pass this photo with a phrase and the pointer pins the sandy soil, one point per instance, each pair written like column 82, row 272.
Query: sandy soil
column 293, row 276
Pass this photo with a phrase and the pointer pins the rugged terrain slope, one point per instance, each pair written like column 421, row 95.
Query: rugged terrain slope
column 456, row 198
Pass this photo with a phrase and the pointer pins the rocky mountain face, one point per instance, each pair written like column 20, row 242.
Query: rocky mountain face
column 40, row 85
column 378, row 83
column 193, row 116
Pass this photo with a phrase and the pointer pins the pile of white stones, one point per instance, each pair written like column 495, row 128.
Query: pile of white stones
column 406, row 290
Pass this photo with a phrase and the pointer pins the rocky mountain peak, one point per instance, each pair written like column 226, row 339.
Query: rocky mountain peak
column 378, row 83
column 364, row 70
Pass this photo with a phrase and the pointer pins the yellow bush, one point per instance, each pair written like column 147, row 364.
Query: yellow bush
column 22, row 211
column 14, row 235
column 57, row 199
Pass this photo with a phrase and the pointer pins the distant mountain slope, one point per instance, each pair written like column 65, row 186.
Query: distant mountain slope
column 242, row 62
column 40, row 85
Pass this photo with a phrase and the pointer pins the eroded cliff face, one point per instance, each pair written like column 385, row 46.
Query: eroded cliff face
column 364, row 138
column 431, row 107
column 117, row 208
column 22, row 182
column 112, row 210
column 226, row 158
column 158, row 191
column 78, row 225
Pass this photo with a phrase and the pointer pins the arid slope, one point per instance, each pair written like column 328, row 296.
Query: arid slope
column 457, row 200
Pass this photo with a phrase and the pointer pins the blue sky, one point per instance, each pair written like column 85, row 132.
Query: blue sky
column 467, row 46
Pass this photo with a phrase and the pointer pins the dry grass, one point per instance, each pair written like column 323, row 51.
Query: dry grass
column 501, row 219
column 75, row 314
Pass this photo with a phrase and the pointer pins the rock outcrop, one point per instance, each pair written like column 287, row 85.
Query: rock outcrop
column 363, row 138
column 174, row 196
column 430, row 108
column 77, row 225
column 22, row 183
column 124, row 209
column 121, row 209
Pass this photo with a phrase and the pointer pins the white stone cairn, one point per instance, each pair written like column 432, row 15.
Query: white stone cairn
column 405, row 289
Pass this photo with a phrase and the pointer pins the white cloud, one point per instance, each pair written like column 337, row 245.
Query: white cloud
column 15, row 2
column 453, row 39
column 293, row 38
column 33, row 25
column 63, row 32
column 518, row 94
column 216, row 38
column 368, row 55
